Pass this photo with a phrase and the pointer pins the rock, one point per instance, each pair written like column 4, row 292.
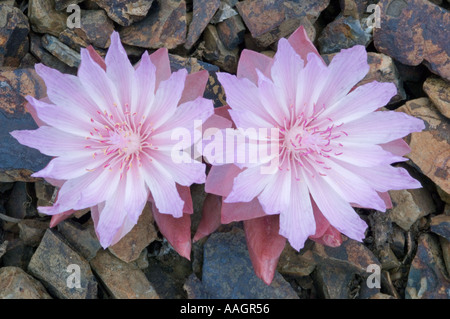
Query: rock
column 443, row 195
column 426, row 279
column 73, row 40
column 44, row 18
column 61, row 51
column 224, row 12
column 51, row 264
column 95, row 28
column 344, row 32
column 381, row 69
column 269, row 20
column 203, row 11
column 292, row 263
column 438, row 91
column 214, row 90
column 217, row 53
column 440, row 225
column 17, row 254
column 19, row 203
column 14, row 31
column 125, row 12
column 164, row 26
column 18, row 162
column 231, row 32
column 46, row 58
column 3, row 247
column 398, row 242
column 142, row 261
column 63, row 4
column 411, row 32
column 17, row 284
column 28, row 61
column 32, row 231
column 387, row 258
column 81, row 237
column 381, row 296
column 143, row 233
column 430, row 149
column 409, row 205
column 45, row 193
column 445, row 245
column 228, row 272
column 122, row 280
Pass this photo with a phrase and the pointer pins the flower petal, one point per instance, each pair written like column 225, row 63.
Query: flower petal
column 160, row 58
column 247, row 185
column 276, row 196
column 145, row 82
column 194, row 86
column 398, row 147
column 235, row 212
column 210, row 220
column 250, row 61
column 302, row 44
column 220, row 179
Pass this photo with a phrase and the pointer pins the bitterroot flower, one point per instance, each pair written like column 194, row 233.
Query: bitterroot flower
column 109, row 129
column 335, row 149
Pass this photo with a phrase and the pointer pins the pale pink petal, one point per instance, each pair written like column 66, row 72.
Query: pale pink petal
column 336, row 210
column 160, row 58
column 297, row 221
column 364, row 155
column 56, row 219
column 347, row 68
column 249, row 62
column 96, row 57
column 32, row 110
column 235, row 212
column 162, row 187
column 210, row 216
column 126, row 227
column 144, row 92
column 223, row 112
column 325, row 234
column 220, row 179
column 216, row 121
column 120, row 70
column 302, row 44
column 363, row 100
column 247, row 185
column 381, row 127
column 177, row 231
column 50, row 141
column 387, row 199
column 185, row 194
column 136, row 192
column 194, row 86
column 277, row 195
column 398, row 147
column 265, row 245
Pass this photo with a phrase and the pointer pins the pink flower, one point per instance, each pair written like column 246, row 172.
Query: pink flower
column 109, row 129
column 334, row 151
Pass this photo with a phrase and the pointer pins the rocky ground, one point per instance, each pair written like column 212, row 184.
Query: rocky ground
column 410, row 243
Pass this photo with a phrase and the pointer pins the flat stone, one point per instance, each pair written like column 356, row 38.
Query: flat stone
column 440, row 225
column 125, row 12
column 426, row 279
column 228, row 272
column 32, row 231
column 231, row 32
column 45, row 193
column 294, row 264
column 44, row 18
column 269, row 20
column 46, row 58
column 412, row 32
column 63, row 4
column 50, row 264
column 216, row 52
column 18, row 162
column 430, row 149
column 17, row 254
column 17, row 284
column 143, row 233
column 438, row 90
column 95, row 28
column 342, row 33
column 409, row 205
column 122, row 280
column 81, row 237
column 445, row 245
column 164, row 26
column 61, row 51
column 203, row 12
column 14, row 29
column 224, row 12
column 73, row 40
column 381, row 69
column 214, row 90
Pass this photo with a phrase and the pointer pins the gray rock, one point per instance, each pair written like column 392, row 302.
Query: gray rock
column 80, row 237
column 52, row 264
column 61, row 51
column 44, row 18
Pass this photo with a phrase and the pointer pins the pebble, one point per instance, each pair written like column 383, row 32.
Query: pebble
column 51, row 264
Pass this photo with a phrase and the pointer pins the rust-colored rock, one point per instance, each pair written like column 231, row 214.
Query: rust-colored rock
column 14, row 31
column 165, row 26
column 122, row 280
column 426, row 279
column 95, row 28
column 270, row 20
column 203, row 12
column 17, row 284
column 217, row 53
column 143, row 233
column 125, row 12
column 414, row 31
column 438, row 90
column 231, row 32
column 44, row 18
column 18, row 162
column 430, row 149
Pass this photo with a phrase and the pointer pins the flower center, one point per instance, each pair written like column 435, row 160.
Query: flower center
column 127, row 141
